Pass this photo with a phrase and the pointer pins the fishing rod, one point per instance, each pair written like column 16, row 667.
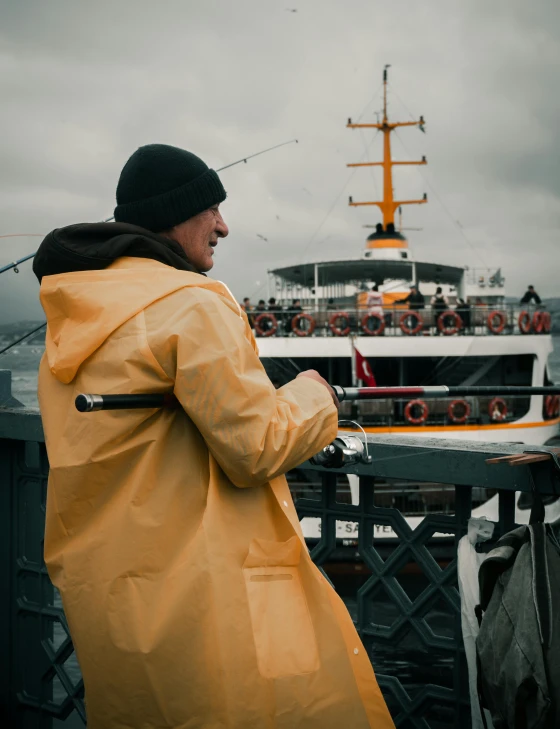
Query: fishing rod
column 15, row 264
column 87, row 403
column 244, row 159
column 13, row 344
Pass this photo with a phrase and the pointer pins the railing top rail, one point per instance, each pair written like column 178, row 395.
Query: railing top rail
column 462, row 463
column 399, row 319
column 21, row 424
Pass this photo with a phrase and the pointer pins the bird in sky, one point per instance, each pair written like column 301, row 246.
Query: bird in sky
column 262, row 237
column 291, row 10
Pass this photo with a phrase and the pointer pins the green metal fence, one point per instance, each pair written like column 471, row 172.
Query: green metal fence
column 405, row 602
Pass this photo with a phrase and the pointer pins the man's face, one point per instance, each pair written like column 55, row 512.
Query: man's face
column 198, row 237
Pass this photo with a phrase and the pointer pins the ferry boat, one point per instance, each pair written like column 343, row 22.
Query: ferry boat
column 347, row 318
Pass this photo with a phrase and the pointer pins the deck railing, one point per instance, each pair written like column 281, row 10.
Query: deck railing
column 469, row 411
column 400, row 321
column 401, row 592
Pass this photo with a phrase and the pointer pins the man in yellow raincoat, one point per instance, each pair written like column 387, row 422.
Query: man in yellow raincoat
column 171, row 534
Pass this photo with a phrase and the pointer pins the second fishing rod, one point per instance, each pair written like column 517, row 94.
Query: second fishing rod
column 14, row 264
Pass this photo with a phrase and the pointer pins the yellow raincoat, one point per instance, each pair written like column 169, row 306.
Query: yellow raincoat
column 171, row 534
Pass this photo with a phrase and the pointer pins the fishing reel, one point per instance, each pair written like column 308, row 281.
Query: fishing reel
column 345, row 450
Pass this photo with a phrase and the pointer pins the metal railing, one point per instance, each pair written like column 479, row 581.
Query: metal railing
column 400, row 321
column 401, row 592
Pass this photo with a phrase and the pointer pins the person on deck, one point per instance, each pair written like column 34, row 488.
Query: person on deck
column 439, row 304
column 275, row 309
column 248, row 309
column 463, row 308
column 415, row 299
column 273, row 306
column 530, row 296
column 374, row 301
column 171, row 534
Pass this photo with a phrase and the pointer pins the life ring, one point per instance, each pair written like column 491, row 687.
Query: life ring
column 339, row 331
column 547, row 322
column 404, row 326
column 296, row 325
column 260, row 319
column 368, row 330
column 538, row 321
column 497, row 409
column 552, row 406
column 496, row 321
column 445, row 328
column 457, row 417
column 524, row 322
column 409, row 417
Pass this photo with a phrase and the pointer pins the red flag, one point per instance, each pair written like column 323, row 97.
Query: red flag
column 363, row 370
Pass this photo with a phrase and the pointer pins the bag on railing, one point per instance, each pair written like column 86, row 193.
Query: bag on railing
column 518, row 646
column 469, row 561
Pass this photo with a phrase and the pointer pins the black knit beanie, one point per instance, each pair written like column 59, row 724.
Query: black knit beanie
column 161, row 186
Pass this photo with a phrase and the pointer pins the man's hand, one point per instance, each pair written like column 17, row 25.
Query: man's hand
column 314, row 375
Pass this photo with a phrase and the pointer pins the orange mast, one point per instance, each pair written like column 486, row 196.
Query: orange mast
column 388, row 205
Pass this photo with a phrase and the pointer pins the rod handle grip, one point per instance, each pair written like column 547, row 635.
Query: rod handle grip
column 88, row 403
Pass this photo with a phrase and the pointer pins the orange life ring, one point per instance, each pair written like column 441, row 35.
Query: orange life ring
column 547, row 321
column 454, row 328
column 296, row 325
column 404, row 326
column 337, row 330
column 260, row 319
column 524, row 322
column 497, row 409
column 496, row 327
column 538, row 321
column 552, row 406
column 452, row 413
column 409, row 417
column 373, row 332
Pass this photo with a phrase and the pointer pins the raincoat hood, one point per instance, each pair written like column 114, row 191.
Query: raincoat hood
column 84, row 308
column 94, row 246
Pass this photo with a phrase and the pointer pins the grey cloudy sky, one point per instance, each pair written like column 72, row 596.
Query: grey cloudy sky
column 83, row 84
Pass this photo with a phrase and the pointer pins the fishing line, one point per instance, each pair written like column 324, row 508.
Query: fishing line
column 23, row 235
column 3, row 351
column 244, row 159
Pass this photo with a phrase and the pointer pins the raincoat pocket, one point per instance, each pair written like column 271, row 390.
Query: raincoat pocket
column 282, row 629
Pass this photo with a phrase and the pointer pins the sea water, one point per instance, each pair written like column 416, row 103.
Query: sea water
column 23, row 361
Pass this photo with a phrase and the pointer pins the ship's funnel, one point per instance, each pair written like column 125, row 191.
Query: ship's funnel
column 387, row 244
